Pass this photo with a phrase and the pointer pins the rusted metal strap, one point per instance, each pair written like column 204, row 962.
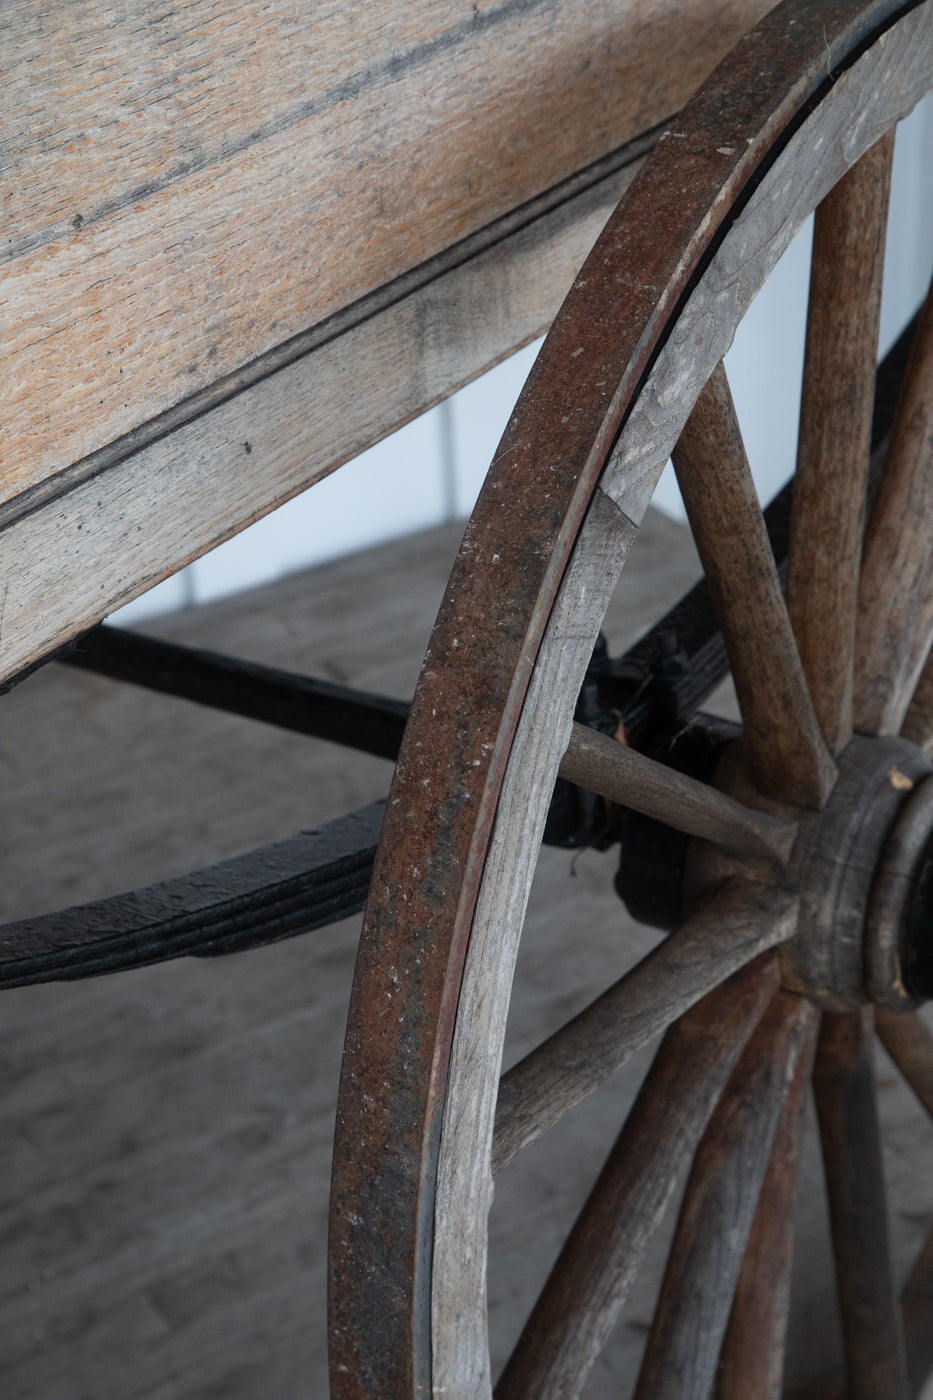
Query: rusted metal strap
column 272, row 893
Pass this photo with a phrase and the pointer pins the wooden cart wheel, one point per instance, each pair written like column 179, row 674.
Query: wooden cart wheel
column 820, row 812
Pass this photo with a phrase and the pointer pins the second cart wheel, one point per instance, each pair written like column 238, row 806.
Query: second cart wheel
column 806, row 903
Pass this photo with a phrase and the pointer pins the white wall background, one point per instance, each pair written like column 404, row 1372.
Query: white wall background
column 431, row 471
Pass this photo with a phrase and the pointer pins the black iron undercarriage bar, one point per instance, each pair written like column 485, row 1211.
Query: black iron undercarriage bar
column 373, row 723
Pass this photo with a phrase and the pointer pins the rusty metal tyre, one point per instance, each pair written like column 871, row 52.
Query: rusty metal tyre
column 636, row 346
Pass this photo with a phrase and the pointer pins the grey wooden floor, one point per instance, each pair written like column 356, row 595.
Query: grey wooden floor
column 167, row 1132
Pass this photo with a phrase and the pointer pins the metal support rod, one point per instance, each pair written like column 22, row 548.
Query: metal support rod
column 355, row 718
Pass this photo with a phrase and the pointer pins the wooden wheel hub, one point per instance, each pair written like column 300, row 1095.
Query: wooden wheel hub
column 857, row 865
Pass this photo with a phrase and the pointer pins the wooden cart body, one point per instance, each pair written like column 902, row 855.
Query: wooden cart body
column 245, row 244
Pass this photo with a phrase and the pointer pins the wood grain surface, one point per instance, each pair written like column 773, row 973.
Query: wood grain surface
column 833, row 448
column 186, row 189
column 782, row 736
column 142, row 507
column 600, row 764
column 718, row 1208
column 587, row 1287
column 740, row 921
column 752, row 1359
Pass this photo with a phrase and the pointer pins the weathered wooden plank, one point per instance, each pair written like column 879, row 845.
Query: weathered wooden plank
column 599, row 1262
column 189, row 188
column 835, row 433
column 141, row 509
column 740, row 921
column 601, row 764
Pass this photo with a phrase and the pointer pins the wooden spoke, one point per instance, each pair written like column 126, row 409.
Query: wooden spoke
column 784, row 743
column 918, row 722
column 844, row 1084
column 752, row 1361
column 910, row 1045
column 717, row 1211
column 917, row 1314
column 601, row 764
column 740, row 921
column 584, row 1294
column 895, row 602
column 828, row 517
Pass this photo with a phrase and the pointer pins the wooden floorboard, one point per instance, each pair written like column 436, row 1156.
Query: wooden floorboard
column 167, row 1132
